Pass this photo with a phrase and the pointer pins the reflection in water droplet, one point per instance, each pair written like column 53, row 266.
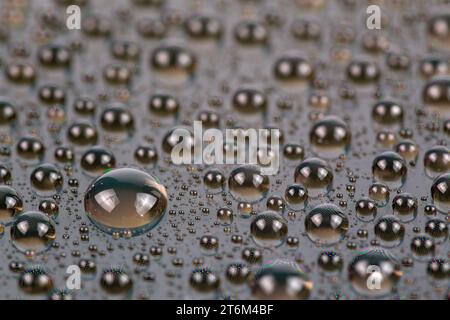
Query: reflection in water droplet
column 47, row 180
column 246, row 183
column 314, row 174
column 281, row 280
column 389, row 231
column 125, row 200
column 390, row 168
column 33, row 231
column 326, row 224
column 374, row 273
column 330, row 137
column 269, row 229
column 440, row 191
column 10, row 204
column 437, row 161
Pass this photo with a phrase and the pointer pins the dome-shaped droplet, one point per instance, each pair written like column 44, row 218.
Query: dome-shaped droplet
column 366, row 209
column 247, row 183
column 204, row 280
column 35, row 281
column 97, row 160
column 116, row 281
column 33, row 231
column 296, row 196
column 390, row 168
column 125, row 200
column 47, row 179
column 374, row 273
column 422, row 247
column 269, row 229
column 314, row 174
column 326, row 224
column 330, row 137
column 390, row 231
column 440, row 191
column 404, row 206
column 281, row 280
column 10, row 204
column 437, row 161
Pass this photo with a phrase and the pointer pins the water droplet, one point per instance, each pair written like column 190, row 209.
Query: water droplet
column 440, row 191
column 326, row 224
column 314, row 174
column 361, row 272
column 125, row 200
column 269, row 229
column 246, row 183
column 390, row 168
column 33, row 231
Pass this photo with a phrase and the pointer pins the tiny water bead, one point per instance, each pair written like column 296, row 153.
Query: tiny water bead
column 10, row 204
column 374, row 269
column 97, row 160
column 247, row 183
column 281, row 280
column 404, row 206
column 314, row 174
column 46, row 179
column 33, row 231
column 296, row 196
column 269, row 229
column 436, row 161
column 390, row 231
column 366, row 209
column 326, row 224
column 330, row 137
column 440, row 191
column 124, row 200
column 389, row 167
